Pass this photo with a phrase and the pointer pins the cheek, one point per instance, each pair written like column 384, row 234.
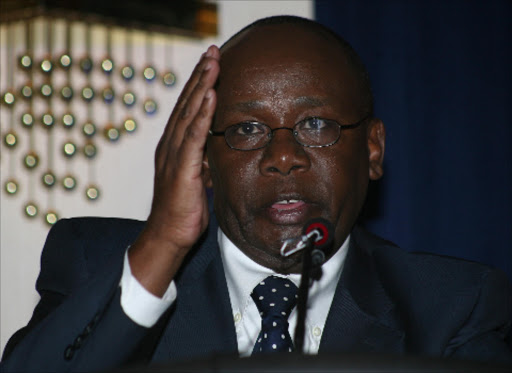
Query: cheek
column 234, row 177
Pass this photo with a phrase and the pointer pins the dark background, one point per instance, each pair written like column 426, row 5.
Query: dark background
column 441, row 73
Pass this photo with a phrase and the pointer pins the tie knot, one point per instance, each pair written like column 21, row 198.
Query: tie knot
column 275, row 297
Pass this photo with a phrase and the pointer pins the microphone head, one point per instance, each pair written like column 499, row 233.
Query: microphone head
column 326, row 229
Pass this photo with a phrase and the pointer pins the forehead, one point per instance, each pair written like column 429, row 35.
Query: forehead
column 283, row 62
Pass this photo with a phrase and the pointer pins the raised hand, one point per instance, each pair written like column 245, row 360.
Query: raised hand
column 179, row 211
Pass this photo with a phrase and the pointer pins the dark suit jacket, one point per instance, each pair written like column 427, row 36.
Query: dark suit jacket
column 387, row 301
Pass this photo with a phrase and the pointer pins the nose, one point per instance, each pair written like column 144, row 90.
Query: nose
column 284, row 155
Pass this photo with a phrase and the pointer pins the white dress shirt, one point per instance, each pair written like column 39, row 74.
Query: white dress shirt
column 242, row 275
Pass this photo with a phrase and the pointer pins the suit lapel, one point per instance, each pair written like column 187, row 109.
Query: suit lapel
column 201, row 321
column 362, row 318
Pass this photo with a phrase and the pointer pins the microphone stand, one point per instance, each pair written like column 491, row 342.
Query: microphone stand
column 310, row 271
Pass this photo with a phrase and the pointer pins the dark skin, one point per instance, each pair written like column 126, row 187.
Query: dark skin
column 269, row 77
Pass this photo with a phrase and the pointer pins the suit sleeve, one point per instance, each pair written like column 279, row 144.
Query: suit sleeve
column 78, row 324
column 486, row 332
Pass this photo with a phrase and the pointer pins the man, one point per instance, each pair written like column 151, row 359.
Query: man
column 280, row 124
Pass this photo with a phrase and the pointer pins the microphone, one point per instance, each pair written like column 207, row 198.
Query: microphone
column 319, row 232
column 324, row 232
column 316, row 241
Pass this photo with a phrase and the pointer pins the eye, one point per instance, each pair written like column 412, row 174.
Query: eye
column 313, row 124
column 248, row 128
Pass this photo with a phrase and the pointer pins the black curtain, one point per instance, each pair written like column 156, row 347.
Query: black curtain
column 442, row 79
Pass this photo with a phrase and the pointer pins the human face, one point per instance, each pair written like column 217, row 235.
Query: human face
column 279, row 75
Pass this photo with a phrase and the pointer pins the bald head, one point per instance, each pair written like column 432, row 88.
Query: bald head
column 332, row 43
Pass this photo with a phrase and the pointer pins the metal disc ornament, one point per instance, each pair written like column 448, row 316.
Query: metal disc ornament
column 25, row 62
column 107, row 65
column 86, row 65
column 92, row 192
column 169, row 79
column 108, row 95
column 65, row 61
column 66, row 93
column 11, row 186
column 89, row 129
column 149, row 73
column 51, row 217
column 111, row 133
column 90, row 150
column 46, row 90
column 9, row 99
column 49, row 179
column 69, row 149
column 129, row 99
column 68, row 120
column 31, row 210
column 27, row 119
column 129, row 125
column 31, row 160
column 11, row 139
column 150, row 106
column 68, row 182
column 48, row 120
column 127, row 72
column 26, row 91
column 46, row 65
column 87, row 93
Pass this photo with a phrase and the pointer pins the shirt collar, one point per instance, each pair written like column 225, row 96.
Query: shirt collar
column 243, row 274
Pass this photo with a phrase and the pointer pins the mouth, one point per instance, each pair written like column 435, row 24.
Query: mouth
column 289, row 210
column 287, row 204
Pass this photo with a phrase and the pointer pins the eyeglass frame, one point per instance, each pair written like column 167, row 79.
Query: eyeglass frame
column 272, row 130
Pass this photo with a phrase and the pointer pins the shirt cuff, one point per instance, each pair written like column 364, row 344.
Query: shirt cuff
column 140, row 305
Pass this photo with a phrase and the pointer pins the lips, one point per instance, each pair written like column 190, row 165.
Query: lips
column 289, row 210
column 290, row 204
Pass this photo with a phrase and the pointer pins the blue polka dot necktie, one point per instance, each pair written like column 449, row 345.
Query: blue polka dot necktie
column 275, row 298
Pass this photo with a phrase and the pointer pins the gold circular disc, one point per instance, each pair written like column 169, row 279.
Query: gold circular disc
column 149, row 73
column 11, row 139
column 69, row 182
column 27, row 119
column 68, row 120
column 31, row 209
column 89, row 129
column 48, row 120
column 51, row 217
column 25, row 62
column 90, row 150
column 87, row 93
column 111, row 133
column 69, row 149
column 65, row 61
column 9, row 98
column 11, row 186
column 169, row 79
column 107, row 65
column 26, row 92
column 92, row 192
column 31, row 160
column 66, row 93
column 49, row 179
column 130, row 125
column 150, row 106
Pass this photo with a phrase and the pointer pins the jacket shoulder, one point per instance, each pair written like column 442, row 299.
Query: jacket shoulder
column 77, row 248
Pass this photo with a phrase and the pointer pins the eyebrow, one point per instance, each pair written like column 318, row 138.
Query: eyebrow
column 298, row 101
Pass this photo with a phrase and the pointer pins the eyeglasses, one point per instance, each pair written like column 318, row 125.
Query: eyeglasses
column 312, row 132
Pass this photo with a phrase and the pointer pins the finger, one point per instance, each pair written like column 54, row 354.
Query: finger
column 192, row 150
column 203, row 78
column 190, row 110
column 211, row 53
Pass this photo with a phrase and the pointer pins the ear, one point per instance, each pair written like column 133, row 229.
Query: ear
column 207, row 175
column 376, row 135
